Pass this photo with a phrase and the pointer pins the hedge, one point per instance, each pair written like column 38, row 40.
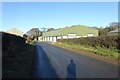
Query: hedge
column 110, row 42
column 9, row 40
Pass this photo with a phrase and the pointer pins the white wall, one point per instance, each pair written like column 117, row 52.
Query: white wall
column 71, row 35
column 40, row 38
column 90, row 35
column 54, row 39
column 78, row 36
column 59, row 37
column 84, row 36
column 50, row 39
column 45, row 38
column 64, row 37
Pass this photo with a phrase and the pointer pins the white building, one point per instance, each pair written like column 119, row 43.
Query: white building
column 69, row 32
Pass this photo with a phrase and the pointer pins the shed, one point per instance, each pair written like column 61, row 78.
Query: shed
column 115, row 32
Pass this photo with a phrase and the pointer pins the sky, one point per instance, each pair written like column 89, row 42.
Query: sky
column 27, row 15
column 60, row 0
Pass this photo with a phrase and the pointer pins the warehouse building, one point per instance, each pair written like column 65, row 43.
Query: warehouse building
column 69, row 32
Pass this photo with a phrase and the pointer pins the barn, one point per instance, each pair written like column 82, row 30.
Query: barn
column 115, row 32
column 69, row 32
column 15, row 32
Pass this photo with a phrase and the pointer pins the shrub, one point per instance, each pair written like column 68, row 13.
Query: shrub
column 109, row 42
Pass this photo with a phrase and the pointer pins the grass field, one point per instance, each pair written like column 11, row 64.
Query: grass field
column 17, row 62
column 99, row 51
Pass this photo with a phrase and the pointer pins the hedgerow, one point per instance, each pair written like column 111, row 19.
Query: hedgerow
column 109, row 42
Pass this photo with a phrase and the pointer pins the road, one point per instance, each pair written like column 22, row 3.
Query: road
column 86, row 67
column 43, row 68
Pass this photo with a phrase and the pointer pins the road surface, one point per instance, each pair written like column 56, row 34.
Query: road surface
column 86, row 67
column 43, row 68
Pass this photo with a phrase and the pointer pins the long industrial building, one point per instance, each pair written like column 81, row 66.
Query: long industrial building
column 69, row 32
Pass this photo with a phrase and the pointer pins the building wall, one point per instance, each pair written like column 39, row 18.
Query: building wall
column 59, row 37
column 78, row 37
column 40, row 38
column 64, row 37
column 47, row 38
column 54, row 39
column 113, row 34
column 50, row 39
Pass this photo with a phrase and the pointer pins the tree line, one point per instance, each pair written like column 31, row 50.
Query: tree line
column 110, row 27
column 102, row 31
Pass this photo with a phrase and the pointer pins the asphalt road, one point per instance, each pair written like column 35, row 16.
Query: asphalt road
column 42, row 66
column 58, row 60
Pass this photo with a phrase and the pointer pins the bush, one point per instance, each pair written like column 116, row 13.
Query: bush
column 109, row 42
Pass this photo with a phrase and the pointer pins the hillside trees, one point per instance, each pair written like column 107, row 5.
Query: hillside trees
column 104, row 31
column 33, row 34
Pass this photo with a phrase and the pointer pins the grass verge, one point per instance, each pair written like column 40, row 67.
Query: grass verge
column 100, row 51
column 17, row 61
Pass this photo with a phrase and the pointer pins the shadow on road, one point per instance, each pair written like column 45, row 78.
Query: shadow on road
column 42, row 67
column 71, row 70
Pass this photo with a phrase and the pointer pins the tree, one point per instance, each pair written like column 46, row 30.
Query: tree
column 25, row 36
column 104, row 31
column 34, row 33
column 113, row 25
column 50, row 29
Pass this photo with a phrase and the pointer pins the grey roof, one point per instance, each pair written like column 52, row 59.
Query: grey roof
column 116, row 30
column 33, row 31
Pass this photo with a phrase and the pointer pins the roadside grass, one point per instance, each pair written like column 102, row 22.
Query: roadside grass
column 17, row 61
column 96, row 50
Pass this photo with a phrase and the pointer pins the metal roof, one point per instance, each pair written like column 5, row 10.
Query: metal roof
column 116, row 30
column 78, row 30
